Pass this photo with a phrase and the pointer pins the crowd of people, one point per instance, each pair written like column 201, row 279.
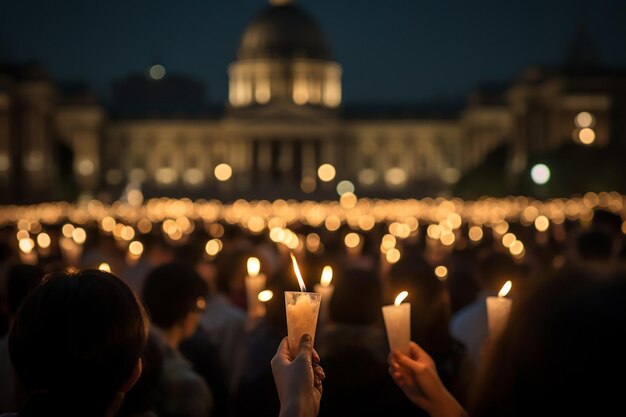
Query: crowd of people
column 169, row 334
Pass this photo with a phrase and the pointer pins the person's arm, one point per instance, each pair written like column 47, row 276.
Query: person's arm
column 298, row 380
column 417, row 375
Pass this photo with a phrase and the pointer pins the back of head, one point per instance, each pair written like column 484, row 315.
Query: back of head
column 171, row 291
column 21, row 280
column 560, row 352
column 357, row 298
column 495, row 268
column 76, row 340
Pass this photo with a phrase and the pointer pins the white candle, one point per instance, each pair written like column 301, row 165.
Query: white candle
column 498, row 310
column 255, row 283
column 398, row 324
column 302, row 309
column 326, row 289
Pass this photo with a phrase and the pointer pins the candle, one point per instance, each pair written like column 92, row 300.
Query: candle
column 255, row 283
column 302, row 309
column 498, row 309
column 326, row 289
column 27, row 253
column 398, row 324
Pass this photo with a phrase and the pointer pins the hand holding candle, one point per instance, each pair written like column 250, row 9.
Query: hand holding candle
column 498, row 309
column 302, row 309
column 398, row 324
column 255, row 283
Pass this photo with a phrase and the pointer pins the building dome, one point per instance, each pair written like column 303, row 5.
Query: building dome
column 283, row 30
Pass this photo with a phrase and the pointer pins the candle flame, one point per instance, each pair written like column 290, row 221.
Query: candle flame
column 265, row 295
column 505, row 289
column 400, row 298
column 254, row 266
column 297, row 271
column 327, row 276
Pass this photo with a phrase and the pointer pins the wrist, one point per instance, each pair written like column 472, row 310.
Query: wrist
column 290, row 409
column 447, row 406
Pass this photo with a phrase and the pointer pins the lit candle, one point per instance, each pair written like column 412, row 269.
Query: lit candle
column 498, row 309
column 255, row 283
column 302, row 309
column 135, row 250
column 326, row 289
column 27, row 253
column 398, row 324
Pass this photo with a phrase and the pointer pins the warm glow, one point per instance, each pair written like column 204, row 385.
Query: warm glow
column 107, row 224
column 135, row 248
column 395, row 177
column 67, row 230
column 400, row 298
column 475, row 233
column 505, row 289
column 79, row 235
column 542, row 223
column 254, row 266
column 26, row 245
column 265, row 295
column 297, row 271
column 213, row 247
column 508, row 239
column 345, row 187
column 447, row 238
column 441, row 272
column 587, row 136
column 327, row 276
column 223, row 172
column 104, row 267
column 352, row 240
column 157, row 72
column 43, row 240
column 583, row 119
column 392, row 256
column 348, row 200
column 127, row 233
column 517, row 248
column 326, row 172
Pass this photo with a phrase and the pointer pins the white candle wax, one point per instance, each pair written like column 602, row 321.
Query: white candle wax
column 498, row 310
column 302, row 309
column 254, row 285
column 327, row 294
column 398, row 324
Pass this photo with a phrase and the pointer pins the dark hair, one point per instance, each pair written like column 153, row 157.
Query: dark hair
column 76, row 340
column 560, row 353
column 495, row 268
column 171, row 291
column 357, row 297
column 21, row 280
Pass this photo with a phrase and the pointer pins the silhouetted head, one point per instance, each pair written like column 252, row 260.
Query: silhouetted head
column 594, row 245
column 171, row 292
column 496, row 268
column 357, row 298
column 76, row 343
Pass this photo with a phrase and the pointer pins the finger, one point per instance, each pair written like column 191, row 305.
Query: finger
column 315, row 357
column 319, row 372
column 412, row 364
column 416, row 351
column 306, row 347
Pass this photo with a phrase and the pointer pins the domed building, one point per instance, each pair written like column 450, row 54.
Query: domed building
column 284, row 132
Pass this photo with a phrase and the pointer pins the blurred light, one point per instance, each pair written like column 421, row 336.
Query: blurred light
column 308, row 184
column 332, row 223
column 107, row 224
column 67, row 230
column 587, row 136
column 144, row 226
column 352, row 240
column 127, row 233
column 85, row 167
column 326, row 172
column 194, row 176
column 26, row 245
column 79, row 235
column 441, row 272
column 450, row 175
column 312, row 242
column 345, row 186
column 395, row 177
column 516, row 248
column 348, row 200
column 392, row 256
column 157, row 72
column 475, row 233
column 508, row 239
column 583, row 119
column 542, row 223
column 134, row 197
column 22, row 234
column 253, row 266
column 447, row 238
column 367, row 176
column 43, row 240
column 265, row 295
column 166, row 175
column 327, row 276
column 104, row 267
column 213, row 247
column 135, row 248
column 540, row 174
column 223, row 172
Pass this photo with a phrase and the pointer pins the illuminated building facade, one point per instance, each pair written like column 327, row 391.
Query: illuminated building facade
column 284, row 120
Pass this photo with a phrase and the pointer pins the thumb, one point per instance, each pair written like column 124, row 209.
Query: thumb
column 306, row 346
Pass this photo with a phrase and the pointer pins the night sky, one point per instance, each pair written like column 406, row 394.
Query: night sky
column 391, row 51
